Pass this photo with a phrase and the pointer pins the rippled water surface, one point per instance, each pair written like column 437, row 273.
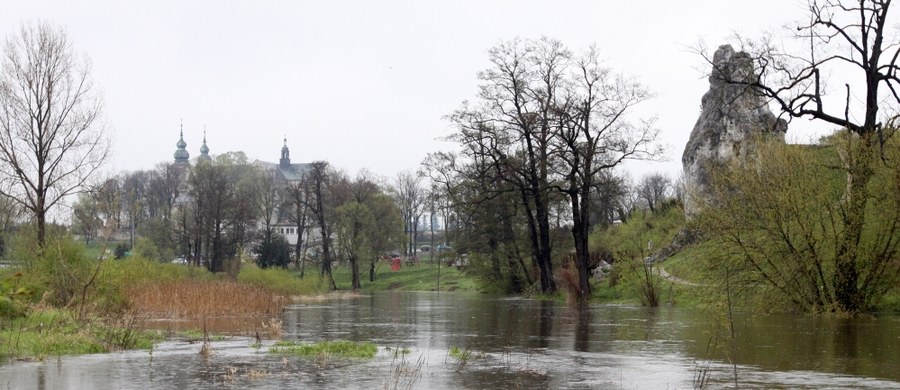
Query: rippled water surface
column 507, row 343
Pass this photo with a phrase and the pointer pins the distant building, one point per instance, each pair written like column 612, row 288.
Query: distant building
column 286, row 173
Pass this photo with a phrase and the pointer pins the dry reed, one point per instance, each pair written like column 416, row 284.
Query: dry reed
column 568, row 280
column 203, row 299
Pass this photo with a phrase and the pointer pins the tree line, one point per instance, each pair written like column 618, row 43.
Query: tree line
column 218, row 210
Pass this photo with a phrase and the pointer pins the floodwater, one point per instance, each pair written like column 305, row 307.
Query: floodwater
column 506, row 343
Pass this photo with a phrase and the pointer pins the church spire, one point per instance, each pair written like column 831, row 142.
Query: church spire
column 181, row 154
column 204, row 150
column 285, row 161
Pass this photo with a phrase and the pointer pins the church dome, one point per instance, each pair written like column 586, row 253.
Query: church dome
column 204, row 150
column 181, row 154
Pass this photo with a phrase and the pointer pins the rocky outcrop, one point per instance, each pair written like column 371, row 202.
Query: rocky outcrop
column 732, row 114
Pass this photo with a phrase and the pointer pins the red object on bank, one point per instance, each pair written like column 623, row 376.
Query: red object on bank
column 395, row 264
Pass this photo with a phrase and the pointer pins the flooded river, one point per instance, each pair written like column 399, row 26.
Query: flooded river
column 505, row 343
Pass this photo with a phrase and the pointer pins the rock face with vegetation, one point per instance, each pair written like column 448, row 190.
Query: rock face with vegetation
column 732, row 115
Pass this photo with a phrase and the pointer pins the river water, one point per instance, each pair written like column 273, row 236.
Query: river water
column 506, row 343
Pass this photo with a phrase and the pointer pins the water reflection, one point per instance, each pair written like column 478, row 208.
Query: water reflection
column 545, row 323
column 583, row 320
column 516, row 343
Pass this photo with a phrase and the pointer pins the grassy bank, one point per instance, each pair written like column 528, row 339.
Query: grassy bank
column 44, row 332
column 423, row 277
column 630, row 278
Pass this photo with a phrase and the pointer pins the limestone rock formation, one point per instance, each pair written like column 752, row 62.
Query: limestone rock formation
column 731, row 116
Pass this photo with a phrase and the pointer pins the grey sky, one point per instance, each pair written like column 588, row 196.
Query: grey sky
column 364, row 84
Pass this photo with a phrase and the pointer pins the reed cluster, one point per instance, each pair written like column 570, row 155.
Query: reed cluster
column 192, row 298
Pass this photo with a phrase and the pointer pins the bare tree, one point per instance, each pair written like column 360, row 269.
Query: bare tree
column 266, row 199
column 318, row 182
column 85, row 220
column 653, row 190
column 10, row 212
column 612, row 202
column 595, row 136
column 296, row 196
column 508, row 134
column 134, row 200
column 852, row 38
column 410, row 196
column 51, row 141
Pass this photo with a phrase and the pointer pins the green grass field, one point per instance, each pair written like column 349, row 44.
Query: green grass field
column 423, row 277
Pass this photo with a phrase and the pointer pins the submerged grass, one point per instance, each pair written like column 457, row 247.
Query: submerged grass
column 463, row 356
column 338, row 348
column 404, row 374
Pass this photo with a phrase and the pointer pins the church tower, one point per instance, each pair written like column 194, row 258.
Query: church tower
column 181, row 154
column 285, row 161
column 204, row 150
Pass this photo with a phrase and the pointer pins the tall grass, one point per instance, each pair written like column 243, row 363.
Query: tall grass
column 186, row 298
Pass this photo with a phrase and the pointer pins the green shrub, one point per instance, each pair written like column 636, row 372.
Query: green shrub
column 275, row 253
column 121, row 250
column 146, row 249
column 59, row 272
column 13, row 296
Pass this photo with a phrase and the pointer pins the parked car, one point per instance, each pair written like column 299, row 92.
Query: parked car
column 425, row 248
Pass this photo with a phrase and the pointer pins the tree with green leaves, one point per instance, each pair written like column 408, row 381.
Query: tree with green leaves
column 777, row 224
column 853, row 38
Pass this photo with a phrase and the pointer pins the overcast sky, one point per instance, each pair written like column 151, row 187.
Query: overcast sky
column 365, row 84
